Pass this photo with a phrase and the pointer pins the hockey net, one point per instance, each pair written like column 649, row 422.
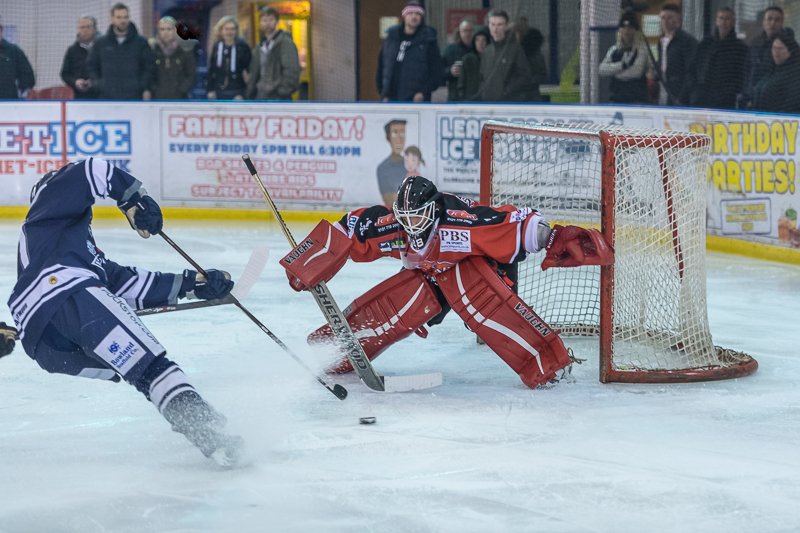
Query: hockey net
column 645, row 191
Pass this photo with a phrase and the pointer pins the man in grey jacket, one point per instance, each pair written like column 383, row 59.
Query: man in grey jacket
column 504, row 68
column 275, row 67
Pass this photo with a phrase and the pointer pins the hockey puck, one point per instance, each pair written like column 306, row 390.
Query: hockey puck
column 366, row 420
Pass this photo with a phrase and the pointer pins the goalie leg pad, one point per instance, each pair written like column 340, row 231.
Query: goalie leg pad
column 389, row 312
column 507, row 325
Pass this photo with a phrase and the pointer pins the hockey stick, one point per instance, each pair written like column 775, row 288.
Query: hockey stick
column 341, row 329
column 337, row 390
column 255, row 266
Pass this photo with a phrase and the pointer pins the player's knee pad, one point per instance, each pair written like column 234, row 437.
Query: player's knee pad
column 389, row 312
column 499, row 317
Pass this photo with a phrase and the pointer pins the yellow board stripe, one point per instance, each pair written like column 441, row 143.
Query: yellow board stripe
column 752, row 249
column 713, row 243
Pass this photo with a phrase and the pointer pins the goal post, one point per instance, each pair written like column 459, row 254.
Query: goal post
column 645, row 190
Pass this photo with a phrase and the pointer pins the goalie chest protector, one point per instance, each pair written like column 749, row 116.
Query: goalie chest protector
column 505, row 323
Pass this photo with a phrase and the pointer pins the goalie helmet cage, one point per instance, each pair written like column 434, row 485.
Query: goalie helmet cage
column 645, row 190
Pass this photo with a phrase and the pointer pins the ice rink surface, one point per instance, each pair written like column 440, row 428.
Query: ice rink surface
column 481, row 453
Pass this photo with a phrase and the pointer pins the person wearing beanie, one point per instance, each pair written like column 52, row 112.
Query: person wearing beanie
column 469, row 83
column 409, row 65
column 626, row 63
column 777, row 91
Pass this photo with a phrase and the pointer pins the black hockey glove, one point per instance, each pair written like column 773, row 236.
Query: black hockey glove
column 7, row 343
column 195, row 285
column 143, row 214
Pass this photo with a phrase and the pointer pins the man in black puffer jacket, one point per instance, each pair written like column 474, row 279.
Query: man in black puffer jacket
column 716, row 73
column 409, row 66
column 121, row 63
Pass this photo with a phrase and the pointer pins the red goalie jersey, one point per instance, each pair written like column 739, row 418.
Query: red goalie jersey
column 462, row 229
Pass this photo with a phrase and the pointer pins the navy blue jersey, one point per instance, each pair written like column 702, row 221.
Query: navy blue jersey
column 57, row 255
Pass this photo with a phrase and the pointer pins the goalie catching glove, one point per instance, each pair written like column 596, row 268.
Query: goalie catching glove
column 7, row 334
column 143, row 214
column 197, row 286
column 318, row 258
column 571, row 246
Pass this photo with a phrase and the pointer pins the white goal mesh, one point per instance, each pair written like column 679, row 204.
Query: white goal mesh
column 645, row 190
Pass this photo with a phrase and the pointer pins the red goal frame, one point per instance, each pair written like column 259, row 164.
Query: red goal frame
column 609, row 141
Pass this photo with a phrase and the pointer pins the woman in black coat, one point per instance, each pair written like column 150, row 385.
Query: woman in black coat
column 778, row 91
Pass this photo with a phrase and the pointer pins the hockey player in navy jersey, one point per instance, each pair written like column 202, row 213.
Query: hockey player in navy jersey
column 73, row 306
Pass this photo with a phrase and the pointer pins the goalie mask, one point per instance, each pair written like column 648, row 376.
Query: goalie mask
column 415, row 209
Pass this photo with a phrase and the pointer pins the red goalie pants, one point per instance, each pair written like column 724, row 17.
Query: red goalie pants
column 505, row 323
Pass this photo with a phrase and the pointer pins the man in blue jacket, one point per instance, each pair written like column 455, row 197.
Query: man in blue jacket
column 121, row 63
column 73, row 307
column 409, row 66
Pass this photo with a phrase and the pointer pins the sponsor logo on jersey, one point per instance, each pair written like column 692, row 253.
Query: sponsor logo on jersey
column 363, row 227
column 519, row 214
column 455, row 240
column 386, row 220
column 386, row 247
column 120, row 350
column 351, row 225
column 532, row 319
column 295, row 254
column 455, row 213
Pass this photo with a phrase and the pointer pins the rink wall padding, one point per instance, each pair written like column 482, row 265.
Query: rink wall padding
column 320, row 160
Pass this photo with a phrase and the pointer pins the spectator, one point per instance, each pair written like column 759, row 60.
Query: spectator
column 504, row 67
column 531, row 40
column 176, row 68
column 228, row 62
column 409, row 65
column 627, row 63
column 275, row 66
column 121, row 64
column 74, row 70
column 777, row 91
column 716, row 72
column 453, row 57
column 676, row 48
column 16, row 74
column 469, row 83
column 759, row 55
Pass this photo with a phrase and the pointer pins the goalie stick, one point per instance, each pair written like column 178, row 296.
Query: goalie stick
column 341, row 329
column 255, row 266
column 337, row 390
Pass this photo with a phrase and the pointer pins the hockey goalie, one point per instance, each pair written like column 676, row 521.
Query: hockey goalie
column 457, row 255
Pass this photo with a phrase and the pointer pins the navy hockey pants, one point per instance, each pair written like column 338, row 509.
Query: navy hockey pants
column 95, row 334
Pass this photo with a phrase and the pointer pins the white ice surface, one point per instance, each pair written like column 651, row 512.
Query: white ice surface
column 481, row 453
